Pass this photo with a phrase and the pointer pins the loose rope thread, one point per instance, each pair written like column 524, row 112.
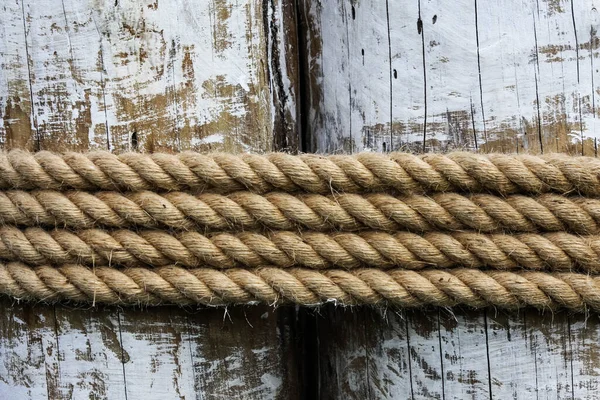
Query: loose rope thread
column 285, row 211
column 175, row 285
column 401, row 172
column 557, row 251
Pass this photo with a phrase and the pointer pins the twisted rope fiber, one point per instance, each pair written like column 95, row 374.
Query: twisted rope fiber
column 285, row 211
column 558, row 251
column 175, row 285
column 401, row 172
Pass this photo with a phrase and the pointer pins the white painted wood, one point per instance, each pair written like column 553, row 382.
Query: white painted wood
column 123, row 74
column 584, row 339
column 425, row 355
column 388, row 358
column 451, row 64
column 464, row 355
column 408, row 95
column 509, row 71
column 15, row 95
column 90, row 354
column 28, row 354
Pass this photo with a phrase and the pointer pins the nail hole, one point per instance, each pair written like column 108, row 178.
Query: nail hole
column 353, row 13
column 384, row 147
column 434, row 19
column 419, row 25
column 395, row 74
column 362, row 51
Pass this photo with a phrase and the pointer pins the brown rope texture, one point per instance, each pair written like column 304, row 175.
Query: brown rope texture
column 207, row 286
column 557, row 251
column 285, row 211
column 400, row 172
column 395, row 229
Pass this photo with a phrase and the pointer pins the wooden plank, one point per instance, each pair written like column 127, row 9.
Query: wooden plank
column 583, row 341
column 509, row 71
column 425, row 355
column 325, row 25
column 29, row 366
column 409, row 105
column 454, row 118
column 90, row 353
column 246, row 352
column 530, row 356
column 17, row 128
column 145, row 75
column 465, row 374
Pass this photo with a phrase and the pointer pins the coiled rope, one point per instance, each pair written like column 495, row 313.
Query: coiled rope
column 394, row 229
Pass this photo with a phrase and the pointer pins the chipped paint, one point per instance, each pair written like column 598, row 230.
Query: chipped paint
column 105, row 75
column 505, row 73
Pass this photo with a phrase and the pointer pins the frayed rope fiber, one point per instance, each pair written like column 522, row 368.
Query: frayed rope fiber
column 382, row 229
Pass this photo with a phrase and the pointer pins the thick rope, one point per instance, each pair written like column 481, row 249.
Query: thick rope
column 312, row 173
column 558, row 251
column 285, row 211
column 174, row 285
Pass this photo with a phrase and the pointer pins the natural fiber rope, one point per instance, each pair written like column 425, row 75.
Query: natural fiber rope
column 316, row 174
column 174, row 285
column 558, row 251
column 285, row 211
column 368, row 210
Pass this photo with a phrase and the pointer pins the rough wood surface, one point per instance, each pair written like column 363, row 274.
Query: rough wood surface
column 377, row 354
column 148, row 75
column 492, row 76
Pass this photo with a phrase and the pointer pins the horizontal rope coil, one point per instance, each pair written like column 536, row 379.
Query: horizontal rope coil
column 558, row 251
column 383, row 229
column 402, row 172
column 175, row 285
column 286, row 211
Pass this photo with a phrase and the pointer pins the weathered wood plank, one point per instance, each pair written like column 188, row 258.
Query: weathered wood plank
column 90, row 353
column 510, row 75
column 29, row 366
column 425, row 355
column 506, row 72
column 151, row 76
column 583, row 342
column 463, row 340
column 453, row 113
column 17, row 128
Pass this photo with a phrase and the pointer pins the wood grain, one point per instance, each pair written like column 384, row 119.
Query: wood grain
column 148, row 75
column 430, row 75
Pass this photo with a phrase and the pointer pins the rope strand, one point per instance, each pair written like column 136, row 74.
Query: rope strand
column 557, row 251
column 175, row 285
column 401, row 172
column 284, row 211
